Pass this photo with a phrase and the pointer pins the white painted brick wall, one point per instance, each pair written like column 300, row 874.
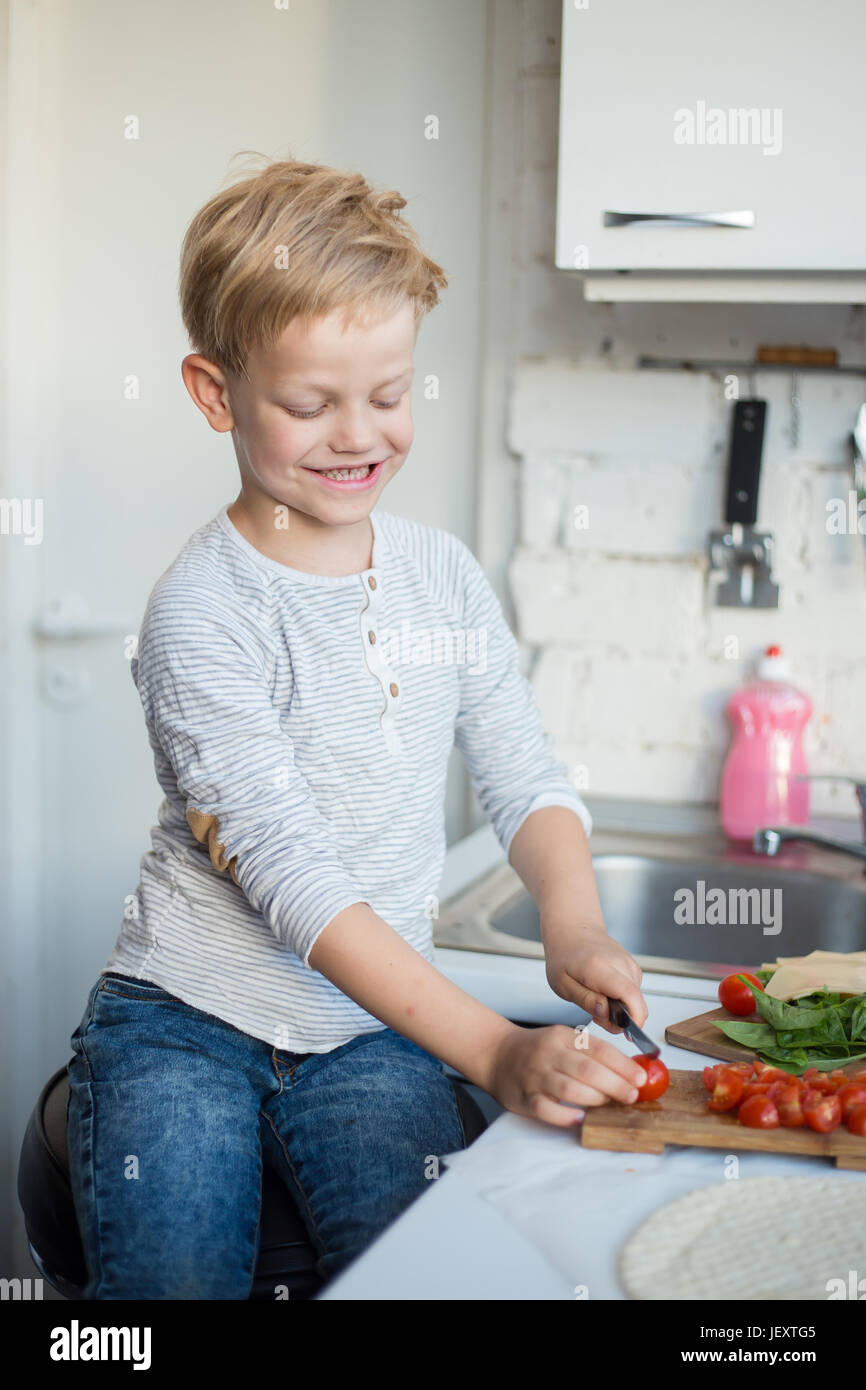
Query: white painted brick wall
column 628, row 658
column 634, row 664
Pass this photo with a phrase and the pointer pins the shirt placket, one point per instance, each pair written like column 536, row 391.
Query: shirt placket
column 372, row 646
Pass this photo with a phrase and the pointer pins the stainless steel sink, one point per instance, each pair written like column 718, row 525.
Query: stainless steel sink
column 658, row 910
column 818, row 899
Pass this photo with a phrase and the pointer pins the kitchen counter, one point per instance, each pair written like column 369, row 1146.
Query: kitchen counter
column 527, row 1213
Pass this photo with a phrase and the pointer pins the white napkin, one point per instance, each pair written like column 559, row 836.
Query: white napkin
column 579, row 1206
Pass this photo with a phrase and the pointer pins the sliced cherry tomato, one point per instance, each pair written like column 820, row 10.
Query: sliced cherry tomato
column 851, row 1096
column 759, row 1112
column 735, row 996
column 728, row 1091
column 820, row 1083
column 774, row 1087
column 856, row 1121
column 858, row 1075
column 657, row 1077
column 743, row 1069
column 838, row 1078
column 824, row 1114
column 770, row 1074
column 788, row 1102
column 755, row 1088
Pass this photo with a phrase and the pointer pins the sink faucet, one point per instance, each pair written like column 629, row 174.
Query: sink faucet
column 769, row 839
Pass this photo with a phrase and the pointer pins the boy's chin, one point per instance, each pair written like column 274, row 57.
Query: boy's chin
column 337, row 511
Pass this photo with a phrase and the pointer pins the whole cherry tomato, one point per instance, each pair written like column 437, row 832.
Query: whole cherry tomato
column 759, row 1112
column 657, row 1077
column 735, row 996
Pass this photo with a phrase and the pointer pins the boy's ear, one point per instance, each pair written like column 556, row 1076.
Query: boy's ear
column 207, row 385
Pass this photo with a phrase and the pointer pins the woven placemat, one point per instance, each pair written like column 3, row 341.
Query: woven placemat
column 756, row 1238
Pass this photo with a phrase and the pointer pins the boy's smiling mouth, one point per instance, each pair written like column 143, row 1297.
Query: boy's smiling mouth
column 350, row 479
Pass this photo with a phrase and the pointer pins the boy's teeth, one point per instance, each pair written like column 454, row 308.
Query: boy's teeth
column 342, row 474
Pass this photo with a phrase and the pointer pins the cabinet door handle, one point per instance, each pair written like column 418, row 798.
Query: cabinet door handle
column 70, row 617
column 685, row 219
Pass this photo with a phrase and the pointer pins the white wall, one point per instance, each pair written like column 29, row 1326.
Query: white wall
column 628, row 657
column 92, row 226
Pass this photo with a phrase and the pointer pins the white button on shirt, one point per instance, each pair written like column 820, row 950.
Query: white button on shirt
column 301, row 726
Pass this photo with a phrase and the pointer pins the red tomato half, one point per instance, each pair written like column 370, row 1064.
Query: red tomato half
column 755, row 1088
column 851, row 1096
column 771, row 1074
column 743, row 1069
column 825, row 1081
column 820, row 1084
column 759, row 1112
column 735, row 996
column 788, row 1102
column 728, row 1090
column 823, row 1114
column 657, row 1077
column 857, row 1121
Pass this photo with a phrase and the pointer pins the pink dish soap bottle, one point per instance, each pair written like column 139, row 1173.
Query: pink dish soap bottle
column 768, row 716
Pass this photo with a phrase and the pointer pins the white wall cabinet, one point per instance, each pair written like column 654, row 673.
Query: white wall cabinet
column 698, row 137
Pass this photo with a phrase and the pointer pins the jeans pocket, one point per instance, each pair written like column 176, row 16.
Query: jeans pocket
column 87, row 1017
column 120, row 999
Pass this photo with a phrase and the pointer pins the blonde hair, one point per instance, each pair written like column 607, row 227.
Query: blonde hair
column 296, row 241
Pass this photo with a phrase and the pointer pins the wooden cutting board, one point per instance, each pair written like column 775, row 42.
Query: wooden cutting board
column 681, row 1116
column 698, row 1035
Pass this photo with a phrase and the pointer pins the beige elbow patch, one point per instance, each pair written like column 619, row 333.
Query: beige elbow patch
column 206, row 831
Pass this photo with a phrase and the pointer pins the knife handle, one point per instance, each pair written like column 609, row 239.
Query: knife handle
column 618, row 1014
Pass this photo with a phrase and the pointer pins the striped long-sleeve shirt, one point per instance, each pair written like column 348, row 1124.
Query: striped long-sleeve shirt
column 301, row 726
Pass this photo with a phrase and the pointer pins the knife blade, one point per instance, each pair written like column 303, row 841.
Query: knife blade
column 620, row 1016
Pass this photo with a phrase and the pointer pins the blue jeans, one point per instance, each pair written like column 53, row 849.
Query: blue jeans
column 169, row 1110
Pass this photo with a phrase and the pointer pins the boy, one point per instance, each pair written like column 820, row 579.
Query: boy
column 273, row 984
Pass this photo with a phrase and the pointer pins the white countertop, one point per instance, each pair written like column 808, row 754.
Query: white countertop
column 526, row 1212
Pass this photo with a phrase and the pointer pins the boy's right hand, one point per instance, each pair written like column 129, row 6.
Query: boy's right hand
column 532, row 1069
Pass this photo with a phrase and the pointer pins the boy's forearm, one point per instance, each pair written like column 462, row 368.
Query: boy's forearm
column 551, row 855
column 370, row 962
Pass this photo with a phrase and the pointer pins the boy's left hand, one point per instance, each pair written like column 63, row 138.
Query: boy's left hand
column 586, row 967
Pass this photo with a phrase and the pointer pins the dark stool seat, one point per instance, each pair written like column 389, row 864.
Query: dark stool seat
column 286, row 1253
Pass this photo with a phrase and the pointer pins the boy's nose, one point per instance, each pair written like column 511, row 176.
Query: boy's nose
column 352, row 434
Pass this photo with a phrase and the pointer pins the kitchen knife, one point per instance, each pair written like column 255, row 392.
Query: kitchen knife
column 620, row 1016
